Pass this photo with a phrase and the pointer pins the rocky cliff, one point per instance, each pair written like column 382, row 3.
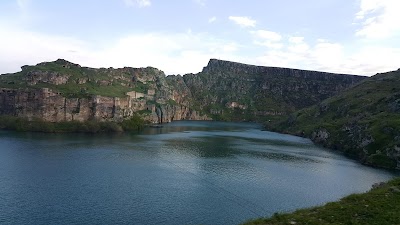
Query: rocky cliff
column 235, row 91
column 63, row 91
column 363, row 121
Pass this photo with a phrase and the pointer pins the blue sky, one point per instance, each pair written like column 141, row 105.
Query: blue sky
column 180, row 36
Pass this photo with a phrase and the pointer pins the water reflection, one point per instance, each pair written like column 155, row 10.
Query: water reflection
column 210, row 147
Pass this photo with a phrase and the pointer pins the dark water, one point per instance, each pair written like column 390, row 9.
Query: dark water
column 184, row 173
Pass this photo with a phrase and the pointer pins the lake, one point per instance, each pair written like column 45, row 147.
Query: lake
column 186, row 172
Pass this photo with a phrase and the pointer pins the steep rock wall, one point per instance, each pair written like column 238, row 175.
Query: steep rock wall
column 225, row 87
column 53, row 107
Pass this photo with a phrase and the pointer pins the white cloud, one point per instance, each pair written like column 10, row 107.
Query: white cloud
column 329, row 56
column 370, row 60
column 23, row 47
column 269, row 44
column 212, row 19
column 230, row 47
column 269, row 35
column 322, row 56
column 268, row 39
column 140, row 3
column 298, row 45
column 296, row 40
column 173, row 53
column 378, row 18
column 189, row 52
column 368, row 7
column 243, row 21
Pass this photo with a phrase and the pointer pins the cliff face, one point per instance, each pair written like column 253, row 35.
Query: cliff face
column 239, row 91
column 363, row 121
column 63, row 91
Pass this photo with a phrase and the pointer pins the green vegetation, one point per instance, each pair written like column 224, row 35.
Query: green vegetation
column 135, row 123
column 363, row 121
column 171, row 102
column 81, row 82
column 141, row 87
column 71, row 90
column 144, row 112
column 15, row 80
column 378, row 206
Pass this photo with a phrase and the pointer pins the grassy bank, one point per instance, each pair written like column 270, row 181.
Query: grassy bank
column 134, row 123
column 378, row 206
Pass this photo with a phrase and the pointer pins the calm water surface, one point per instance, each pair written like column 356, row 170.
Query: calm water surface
column 183, row 173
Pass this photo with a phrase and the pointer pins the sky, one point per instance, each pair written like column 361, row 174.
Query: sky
column 180, row 36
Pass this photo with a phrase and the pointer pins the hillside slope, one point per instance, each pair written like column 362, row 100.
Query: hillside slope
column 363, row 121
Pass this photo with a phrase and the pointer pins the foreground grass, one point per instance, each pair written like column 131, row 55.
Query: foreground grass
column 381, row 205
column 134, row 123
